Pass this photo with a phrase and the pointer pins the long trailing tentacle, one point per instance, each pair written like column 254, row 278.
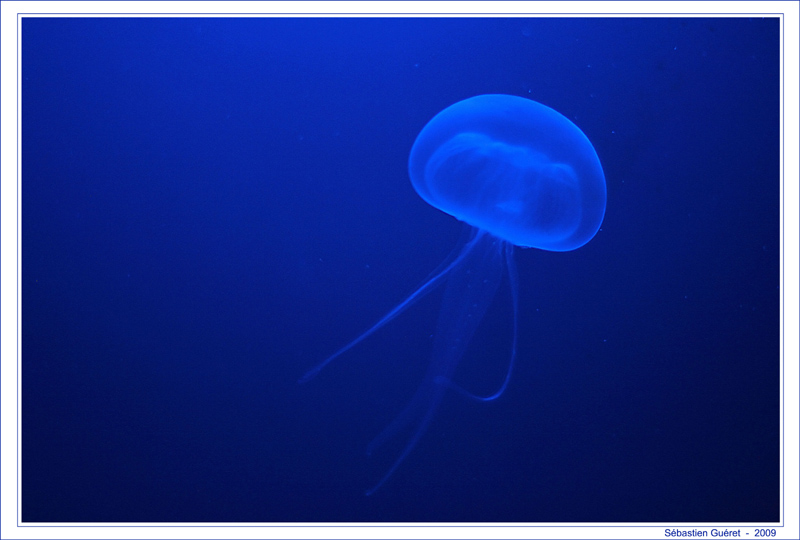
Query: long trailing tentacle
column 424, row 289
column 470, row 289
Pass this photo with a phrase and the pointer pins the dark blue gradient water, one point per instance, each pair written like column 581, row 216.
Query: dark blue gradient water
column 211, row 207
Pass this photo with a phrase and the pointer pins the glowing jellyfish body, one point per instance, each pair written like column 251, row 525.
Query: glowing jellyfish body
column 514, row 168
column 520, row 174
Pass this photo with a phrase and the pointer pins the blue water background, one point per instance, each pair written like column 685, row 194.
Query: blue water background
column 210, row 207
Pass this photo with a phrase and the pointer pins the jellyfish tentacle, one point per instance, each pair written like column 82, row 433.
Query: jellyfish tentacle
column 471, row 286
column 513, row 279
column 424, row 289
column 388, row 432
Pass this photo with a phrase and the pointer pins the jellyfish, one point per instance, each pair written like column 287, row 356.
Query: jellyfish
column 518, row 173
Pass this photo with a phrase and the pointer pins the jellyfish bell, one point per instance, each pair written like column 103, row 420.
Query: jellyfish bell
column 514, row 168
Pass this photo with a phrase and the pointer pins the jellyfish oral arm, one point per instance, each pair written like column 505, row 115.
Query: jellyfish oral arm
column 427, row 400
column 424, row 289
column 513, row 279
column 471, row 285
